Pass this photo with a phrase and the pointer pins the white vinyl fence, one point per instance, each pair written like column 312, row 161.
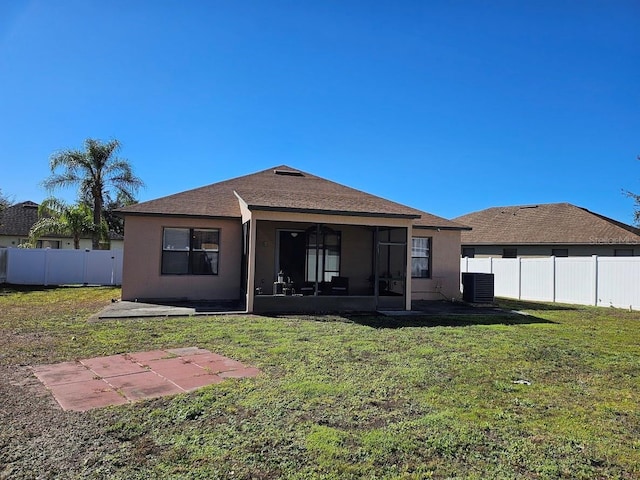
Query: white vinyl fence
column 38, row 266
column 600, row 281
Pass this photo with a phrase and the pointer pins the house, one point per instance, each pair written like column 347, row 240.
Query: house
column 558, row 229
column 17, row 220
column 286, row 240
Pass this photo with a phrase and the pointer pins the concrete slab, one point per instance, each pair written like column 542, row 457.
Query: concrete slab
column 82, row 396
column 216, row 365
column 118, row 379
column 112, row 366
column 63, row 373
column 148, row 384
column 143, row 357
column 126, row 309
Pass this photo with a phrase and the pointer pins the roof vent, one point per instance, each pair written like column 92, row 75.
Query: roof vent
column 290, row 173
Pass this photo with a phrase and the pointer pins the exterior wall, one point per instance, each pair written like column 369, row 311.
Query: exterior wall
column 143, row 254
column 524, row 251
column 445, row 267
column 65, row 243
column 355, row 258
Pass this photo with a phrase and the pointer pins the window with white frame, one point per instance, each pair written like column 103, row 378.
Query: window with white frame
column 190, row 251
column 421, row 257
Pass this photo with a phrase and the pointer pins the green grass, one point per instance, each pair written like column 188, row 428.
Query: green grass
column 362, row 397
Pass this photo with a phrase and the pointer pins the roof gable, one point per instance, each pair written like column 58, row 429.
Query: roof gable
column 281, row 188
column 553, row 223
column 18, row 219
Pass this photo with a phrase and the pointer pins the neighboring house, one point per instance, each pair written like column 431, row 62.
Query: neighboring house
column 286, row 240
column 559, row 229
column 17, row 220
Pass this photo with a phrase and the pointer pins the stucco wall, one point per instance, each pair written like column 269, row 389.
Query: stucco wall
column 445, row 267
column 141, row 277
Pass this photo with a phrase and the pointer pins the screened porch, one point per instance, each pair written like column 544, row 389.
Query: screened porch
column 312, row 267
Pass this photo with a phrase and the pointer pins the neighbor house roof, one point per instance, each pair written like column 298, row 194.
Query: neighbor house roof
column 552, row 223
column 17, row 220
column 285, row 189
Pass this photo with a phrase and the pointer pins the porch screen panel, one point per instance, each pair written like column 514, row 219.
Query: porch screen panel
column 332, row 256
column 323, row 256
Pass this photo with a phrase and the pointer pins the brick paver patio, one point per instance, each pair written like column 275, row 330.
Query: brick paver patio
column 118, row 379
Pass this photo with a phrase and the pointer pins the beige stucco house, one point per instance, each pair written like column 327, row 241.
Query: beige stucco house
column 283, row 240
column 543, row 230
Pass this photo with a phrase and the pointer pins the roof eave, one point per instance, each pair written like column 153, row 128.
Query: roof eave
column 440, row 227
column 346, row 213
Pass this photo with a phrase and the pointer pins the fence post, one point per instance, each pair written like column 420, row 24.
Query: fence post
column 519, row 278
column 85, row 266
column 595, row 279
column 45, row 271
column 553, row 279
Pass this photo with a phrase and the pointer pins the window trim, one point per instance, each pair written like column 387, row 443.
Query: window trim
column 191, row 251
column 428, row 257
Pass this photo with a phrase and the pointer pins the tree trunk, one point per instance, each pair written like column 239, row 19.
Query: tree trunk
column 97, row 217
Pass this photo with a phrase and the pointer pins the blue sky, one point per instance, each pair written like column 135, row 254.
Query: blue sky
column 447, row 106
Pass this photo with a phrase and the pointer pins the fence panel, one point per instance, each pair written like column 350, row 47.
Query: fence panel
column 619, row 282
column 576, row 280
column 104, row 267
column 64, row 267
column 3, row 265
column 26, row 266
column 506, row 277
column 536, row 280
column 613, row 281
column 59, row 267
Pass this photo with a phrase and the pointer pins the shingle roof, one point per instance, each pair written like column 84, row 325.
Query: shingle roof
column 281, row 188
column 552, row 223
column 18, row 219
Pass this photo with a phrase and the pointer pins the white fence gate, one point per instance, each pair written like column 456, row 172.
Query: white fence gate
column 600, row 281
column 37, row 266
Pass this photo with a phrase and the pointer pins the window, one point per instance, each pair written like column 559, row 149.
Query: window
column 327, row 247
column 48, row 244
column 190, row 251
column 421, row 257
column 509, row 253
column 623, row 252
column 468, row 252
column 560, row 252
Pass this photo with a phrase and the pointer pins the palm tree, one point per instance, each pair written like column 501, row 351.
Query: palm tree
column 59, row 218
column 96, row 171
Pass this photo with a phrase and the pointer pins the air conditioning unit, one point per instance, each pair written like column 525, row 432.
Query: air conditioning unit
column 478, row 287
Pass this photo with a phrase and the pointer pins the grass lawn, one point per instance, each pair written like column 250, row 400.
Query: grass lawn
column 360, row 397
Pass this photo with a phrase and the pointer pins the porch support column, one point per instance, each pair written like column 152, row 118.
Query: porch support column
column 317, row 285
column 251, row 264
column 408, row 274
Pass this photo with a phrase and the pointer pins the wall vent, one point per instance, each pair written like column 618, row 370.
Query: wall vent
column 290, row 173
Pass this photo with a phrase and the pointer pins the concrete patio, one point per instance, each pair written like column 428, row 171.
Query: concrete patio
column 119, row 379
